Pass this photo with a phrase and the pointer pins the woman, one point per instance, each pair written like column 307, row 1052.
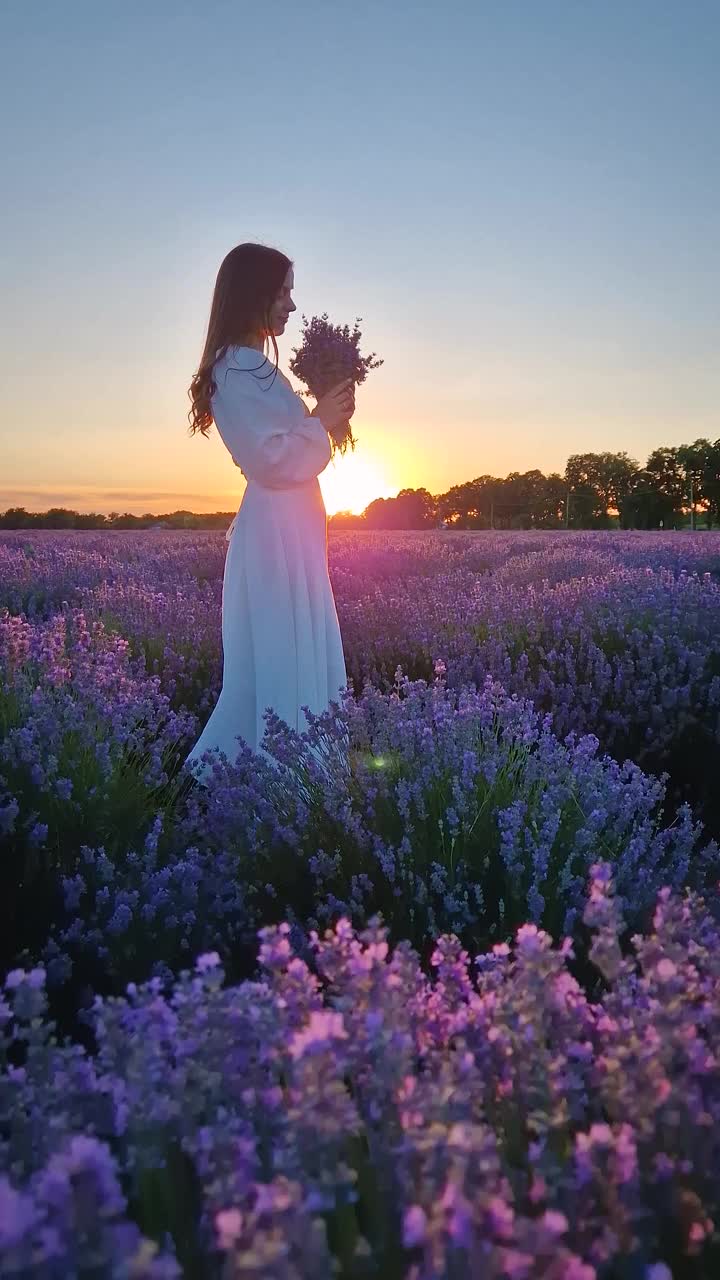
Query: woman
column 280, row 632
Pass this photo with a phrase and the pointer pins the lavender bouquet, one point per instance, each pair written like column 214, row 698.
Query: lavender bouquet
column 327, row 354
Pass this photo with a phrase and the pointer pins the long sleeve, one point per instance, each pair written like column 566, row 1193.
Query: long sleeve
column 267, row 429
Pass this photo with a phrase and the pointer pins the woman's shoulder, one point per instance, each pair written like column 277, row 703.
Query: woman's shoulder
column 249, row 358
column 244, row 374
column 260, row 370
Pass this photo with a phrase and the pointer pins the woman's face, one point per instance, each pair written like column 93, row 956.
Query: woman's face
column 283, row 306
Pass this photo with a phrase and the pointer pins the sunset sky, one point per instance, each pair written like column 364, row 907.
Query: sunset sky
column 520, row 200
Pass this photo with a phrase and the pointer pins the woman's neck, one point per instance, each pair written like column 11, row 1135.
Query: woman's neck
column 254, row 341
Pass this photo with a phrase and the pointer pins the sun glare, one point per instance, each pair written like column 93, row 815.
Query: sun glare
column 351, row 483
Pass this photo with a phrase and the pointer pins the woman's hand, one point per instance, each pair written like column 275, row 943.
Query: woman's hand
column 337, row 406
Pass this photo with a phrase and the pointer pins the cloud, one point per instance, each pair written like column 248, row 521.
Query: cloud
column 89, row 498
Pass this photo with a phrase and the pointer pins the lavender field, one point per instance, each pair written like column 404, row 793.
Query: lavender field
column 442, row 1004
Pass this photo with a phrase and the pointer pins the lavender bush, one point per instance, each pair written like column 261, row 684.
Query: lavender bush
column 632, row 655
column 69, row 1220
column 449, row 810
column 86, row 748
column 361, row 1117
column 440, row 810
column 142, row 913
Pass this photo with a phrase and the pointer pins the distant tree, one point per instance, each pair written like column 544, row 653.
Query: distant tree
column 666, row 470
column 550, row 502
column 418, row 507
column 452, row 506
column 89, row 520
column 17, row 518
column 524, row 500
column 375, row 514
column 179, row 519
column 588, row 506
column 128, row 521
column 411, row 509
column 347, row 520
column 616, row 473
column 647, row 505
column 63, row 518
column 468, row 505
column 213, row 520
column 696, row 460
column 60, row 518
column 711, row 484
column 656, row 493
column 597, row 483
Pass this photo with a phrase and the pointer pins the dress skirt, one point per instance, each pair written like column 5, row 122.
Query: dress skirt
column 282, row 647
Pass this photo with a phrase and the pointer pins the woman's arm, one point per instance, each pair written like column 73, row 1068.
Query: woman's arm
column 274, row 440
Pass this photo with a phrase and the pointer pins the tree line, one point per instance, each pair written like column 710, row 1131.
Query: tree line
column 676, row 487
column 66, row 518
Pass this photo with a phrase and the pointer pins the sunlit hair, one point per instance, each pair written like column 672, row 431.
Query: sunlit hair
column 247, row 285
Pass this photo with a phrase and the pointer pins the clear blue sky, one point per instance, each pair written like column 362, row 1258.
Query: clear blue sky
column 520, row 199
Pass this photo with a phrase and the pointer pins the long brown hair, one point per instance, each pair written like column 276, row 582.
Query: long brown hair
column 248, row 283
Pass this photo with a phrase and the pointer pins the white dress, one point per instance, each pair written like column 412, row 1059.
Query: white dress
column 280, row 632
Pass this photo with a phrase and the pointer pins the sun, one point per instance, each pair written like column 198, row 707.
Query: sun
column 351, row 483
